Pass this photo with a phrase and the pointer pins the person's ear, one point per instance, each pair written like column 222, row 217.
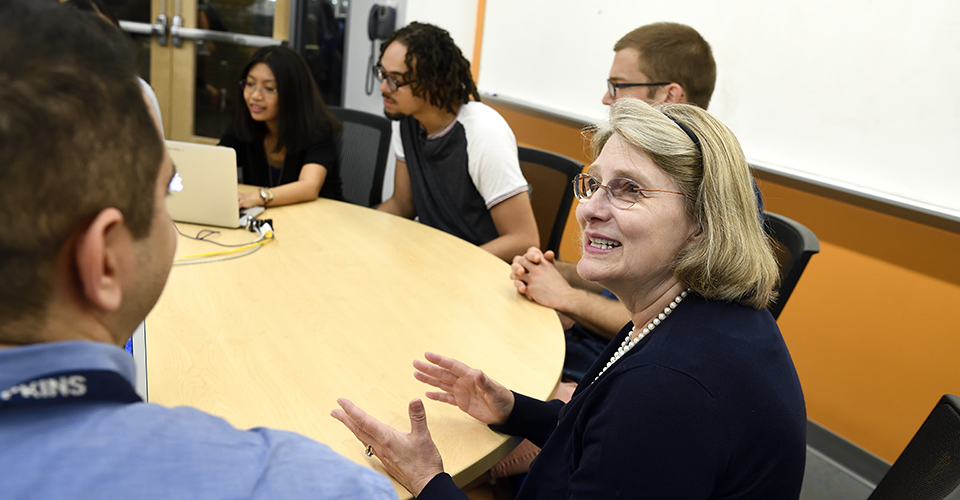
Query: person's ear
column 102, row 252
column 674, row 94
column 695, row 236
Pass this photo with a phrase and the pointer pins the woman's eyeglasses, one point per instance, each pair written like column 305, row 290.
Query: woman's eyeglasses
column 392, row 82
column 622, row 193
column 253, row 87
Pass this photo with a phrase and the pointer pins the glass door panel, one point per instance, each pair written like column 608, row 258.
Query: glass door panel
column 192, row 51
column 216, row 89
column 141, row 20
column 213, row 40
column 322, row 28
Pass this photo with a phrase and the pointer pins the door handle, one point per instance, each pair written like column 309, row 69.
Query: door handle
column 160, row 29
column 178, row 33
column 157, row 29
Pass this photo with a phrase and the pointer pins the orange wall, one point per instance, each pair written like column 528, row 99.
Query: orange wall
column 873, row 325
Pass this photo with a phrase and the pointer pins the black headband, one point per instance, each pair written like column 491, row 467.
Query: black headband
column 686, row 130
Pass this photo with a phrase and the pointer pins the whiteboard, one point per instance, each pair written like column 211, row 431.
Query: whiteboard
column 856, row 94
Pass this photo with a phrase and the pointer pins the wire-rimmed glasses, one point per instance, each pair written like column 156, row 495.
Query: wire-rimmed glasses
column 253, row 87
column 621, row 192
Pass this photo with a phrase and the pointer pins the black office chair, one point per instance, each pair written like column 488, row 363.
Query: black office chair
column 551, row 193
column 364, row 146
column 796, row 245
column 929, row 467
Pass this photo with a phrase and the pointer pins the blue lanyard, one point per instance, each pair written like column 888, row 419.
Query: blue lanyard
column 69, row 387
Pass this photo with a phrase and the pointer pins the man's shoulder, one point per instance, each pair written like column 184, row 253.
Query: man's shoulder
column 485, row 128
column 478, row 112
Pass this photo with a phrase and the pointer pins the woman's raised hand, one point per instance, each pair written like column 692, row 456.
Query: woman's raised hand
column 411, row 458
column 466, row 388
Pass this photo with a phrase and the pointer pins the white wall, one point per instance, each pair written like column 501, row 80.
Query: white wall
column 858, row 94
column 357, row 55
column 459, row 17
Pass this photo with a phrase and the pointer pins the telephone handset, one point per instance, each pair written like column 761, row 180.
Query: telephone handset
column 382, row 22
column 380, row 25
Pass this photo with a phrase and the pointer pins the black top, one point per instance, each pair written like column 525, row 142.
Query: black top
column 708, row 406
column 254, row 169
column 444, row 195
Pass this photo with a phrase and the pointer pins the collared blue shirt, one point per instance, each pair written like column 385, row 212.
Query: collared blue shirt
column 145, row 451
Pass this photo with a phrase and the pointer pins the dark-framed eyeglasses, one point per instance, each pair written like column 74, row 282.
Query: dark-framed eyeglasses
column 392, row 82
column 621, row 192
column 612, row 86
column 253, row 87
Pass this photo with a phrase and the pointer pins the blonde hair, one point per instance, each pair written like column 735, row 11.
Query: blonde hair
column 733, row 260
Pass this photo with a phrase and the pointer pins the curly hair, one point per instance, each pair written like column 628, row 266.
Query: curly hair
column 437, row 69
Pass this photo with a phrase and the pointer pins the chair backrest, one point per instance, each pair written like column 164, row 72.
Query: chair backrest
column 364, row 147
column 929, row 467
column 551, row 193
column 797, row 244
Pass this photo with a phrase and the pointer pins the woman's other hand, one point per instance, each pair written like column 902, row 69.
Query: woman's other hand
column 411, row 458
column 466, row 388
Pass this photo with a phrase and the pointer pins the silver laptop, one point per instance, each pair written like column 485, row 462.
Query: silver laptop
column 209, row 180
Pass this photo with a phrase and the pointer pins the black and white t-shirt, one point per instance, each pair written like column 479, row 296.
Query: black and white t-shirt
column 459, row 173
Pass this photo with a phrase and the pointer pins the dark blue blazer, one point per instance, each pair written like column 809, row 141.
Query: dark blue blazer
column 708, row 406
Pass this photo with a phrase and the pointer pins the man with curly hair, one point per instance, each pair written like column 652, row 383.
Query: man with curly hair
column 457, row 168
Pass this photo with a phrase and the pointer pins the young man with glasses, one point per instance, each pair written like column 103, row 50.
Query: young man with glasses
column 457, row 167
column 662, row 63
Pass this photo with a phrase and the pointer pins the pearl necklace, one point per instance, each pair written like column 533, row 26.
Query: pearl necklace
column 629, row 341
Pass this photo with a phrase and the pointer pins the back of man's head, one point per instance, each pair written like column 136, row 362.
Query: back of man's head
column 439, row 71
column 672, row 52
column 75, row 138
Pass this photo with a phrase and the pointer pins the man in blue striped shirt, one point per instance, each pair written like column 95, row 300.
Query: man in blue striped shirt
column 86, row 245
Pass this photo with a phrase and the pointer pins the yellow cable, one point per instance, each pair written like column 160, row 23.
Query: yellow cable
column 266, row 237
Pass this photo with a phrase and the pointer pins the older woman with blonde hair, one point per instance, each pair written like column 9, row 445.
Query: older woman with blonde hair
column 697, row 397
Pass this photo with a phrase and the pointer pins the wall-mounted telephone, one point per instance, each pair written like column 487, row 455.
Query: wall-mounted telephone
column 380, row 24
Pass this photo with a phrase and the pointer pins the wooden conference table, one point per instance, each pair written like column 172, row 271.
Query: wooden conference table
column 338, row 305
